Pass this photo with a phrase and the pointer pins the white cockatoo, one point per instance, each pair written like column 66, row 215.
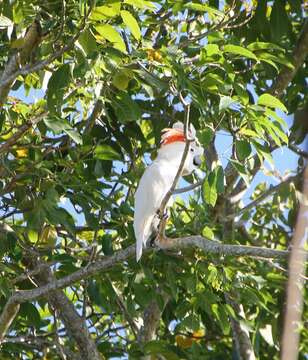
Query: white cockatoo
column 158, row 179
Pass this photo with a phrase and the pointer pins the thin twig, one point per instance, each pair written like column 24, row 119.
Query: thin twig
column 262, row 197
column 188, row 188
column 20, row 132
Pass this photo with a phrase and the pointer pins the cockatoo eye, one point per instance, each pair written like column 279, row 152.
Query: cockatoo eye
column 192, row 149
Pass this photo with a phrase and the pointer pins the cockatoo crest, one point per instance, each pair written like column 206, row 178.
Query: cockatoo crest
column 176, row 133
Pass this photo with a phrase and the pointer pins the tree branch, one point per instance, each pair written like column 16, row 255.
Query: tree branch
column 297, row 264
column 286, row 75
column 107, row 263
column 8, row 315
column 20, row 132
column 151, row 317
column 30, row 43
column 240, row 334
column 298, row 151
column 262, row 197
column 74, row 324
column 188, row 188
column 11, row 71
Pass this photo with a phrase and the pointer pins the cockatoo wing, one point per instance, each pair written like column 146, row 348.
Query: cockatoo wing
column 148, row 197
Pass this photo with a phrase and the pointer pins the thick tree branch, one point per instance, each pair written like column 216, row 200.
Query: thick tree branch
column 30, row 42
column 151, row 317
column 286, row 75
column 297, row 265
column 209, row 247
column 74, row 324
column 241, row 338
column 8, row 315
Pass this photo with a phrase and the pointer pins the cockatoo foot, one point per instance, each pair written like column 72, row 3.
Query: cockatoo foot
column 151, row 240
column 165, row 215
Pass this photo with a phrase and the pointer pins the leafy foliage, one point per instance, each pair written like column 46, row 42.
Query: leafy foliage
column 67, row 182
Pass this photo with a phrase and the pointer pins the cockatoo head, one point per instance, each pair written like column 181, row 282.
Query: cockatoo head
column 173, row 144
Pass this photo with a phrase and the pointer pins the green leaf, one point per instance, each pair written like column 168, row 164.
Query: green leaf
column 279, row 28
column 204, row 8
column 212, row 49
column 205, row 136
column 106, row 152
column 125, row 108
column 271, row 101
column 57, row 84
column 120, row 80
column 36, row 217
column 239, row 50
column 242, row 94
column 208, row 233
column 87, row 42
column 32, row 314
column 220, row 179
column 213, row 82
column 58, row 125
column 259, row 45
column 131, row 23
column 243, row 149
column 280, row 120
column 59, row 79
column 241, row 170
column 248, row 132
column 278, row 58
column 263, row 152
column 141, row 4
column 103, row 12
column 209, row 191
column 110, row 34
column 58, row 215
column 74, row 135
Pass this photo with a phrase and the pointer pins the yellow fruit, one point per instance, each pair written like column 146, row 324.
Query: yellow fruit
column 198, row 335
column 154, row 55
column 22, row 153
column 186, row 342
column 183, row 342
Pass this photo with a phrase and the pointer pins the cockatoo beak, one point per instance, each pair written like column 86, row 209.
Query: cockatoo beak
column 197, row 160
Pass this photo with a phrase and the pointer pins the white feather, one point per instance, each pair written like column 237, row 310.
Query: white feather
column 148, row 197
column 153, row 186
